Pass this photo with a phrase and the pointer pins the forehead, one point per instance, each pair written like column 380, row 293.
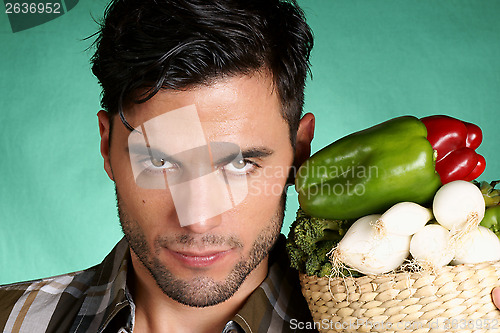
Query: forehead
column 235, row 106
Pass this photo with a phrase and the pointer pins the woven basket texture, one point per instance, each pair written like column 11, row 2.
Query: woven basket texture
column 452, row 299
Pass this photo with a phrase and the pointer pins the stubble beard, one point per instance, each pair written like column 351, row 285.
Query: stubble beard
column 201, row 291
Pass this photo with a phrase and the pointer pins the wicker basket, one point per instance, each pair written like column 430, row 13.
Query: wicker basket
column 453, row 299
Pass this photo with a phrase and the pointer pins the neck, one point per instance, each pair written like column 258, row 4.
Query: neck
column 156, row 312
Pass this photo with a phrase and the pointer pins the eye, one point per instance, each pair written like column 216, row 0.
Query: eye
column 158, row 165
column 240, row 167
column 158, row 162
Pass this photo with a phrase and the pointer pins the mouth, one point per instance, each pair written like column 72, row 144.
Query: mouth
column 199, row 259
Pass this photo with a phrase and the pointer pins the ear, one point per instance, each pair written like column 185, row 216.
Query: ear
column 104, row 130
column 305, row 135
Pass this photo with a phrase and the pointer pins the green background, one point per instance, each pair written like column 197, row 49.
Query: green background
column 373, row 60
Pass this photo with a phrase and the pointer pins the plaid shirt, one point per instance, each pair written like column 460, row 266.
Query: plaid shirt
column 97, row 300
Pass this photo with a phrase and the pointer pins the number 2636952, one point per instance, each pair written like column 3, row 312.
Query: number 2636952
column 32, row 8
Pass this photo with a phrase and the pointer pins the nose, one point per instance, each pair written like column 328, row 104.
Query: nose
column 200, row 202
column 205, row 225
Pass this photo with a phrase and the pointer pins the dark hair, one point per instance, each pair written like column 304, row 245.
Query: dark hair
column 148, row 45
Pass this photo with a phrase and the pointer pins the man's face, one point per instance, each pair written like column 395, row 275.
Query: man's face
column 204, row 262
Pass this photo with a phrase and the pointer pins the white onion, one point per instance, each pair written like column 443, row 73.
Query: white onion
column 365, row 250
column 431, row 246
column 459, row 206
column 479, row 245
column 404, row 219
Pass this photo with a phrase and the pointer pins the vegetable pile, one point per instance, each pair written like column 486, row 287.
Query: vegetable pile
column 419, row 207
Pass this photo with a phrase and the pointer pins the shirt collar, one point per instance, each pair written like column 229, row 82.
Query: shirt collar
column 110, row 285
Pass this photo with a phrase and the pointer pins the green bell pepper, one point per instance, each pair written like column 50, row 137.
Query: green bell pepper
column 369, row 171
column 491, row 219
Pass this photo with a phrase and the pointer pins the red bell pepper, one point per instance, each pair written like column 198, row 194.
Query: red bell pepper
column 455, row 142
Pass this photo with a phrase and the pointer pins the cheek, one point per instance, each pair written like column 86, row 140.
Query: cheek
column 263, row 201
column 151, row 209
column 268, row 183
column 139, row 203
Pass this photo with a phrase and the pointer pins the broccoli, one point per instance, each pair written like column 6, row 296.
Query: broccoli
column 310, row 240
column 325, row 270
column 316, row 260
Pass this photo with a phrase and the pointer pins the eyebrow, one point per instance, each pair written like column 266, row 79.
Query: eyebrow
column 254, row 152
column 257, row 152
